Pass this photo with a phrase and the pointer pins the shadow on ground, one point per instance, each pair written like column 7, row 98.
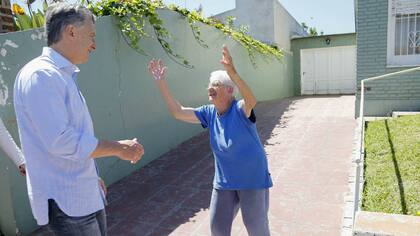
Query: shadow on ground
column 170, row 191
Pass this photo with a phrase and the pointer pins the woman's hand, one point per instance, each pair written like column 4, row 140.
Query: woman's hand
column 227, row 62
column 157, row 69
column 22, row 170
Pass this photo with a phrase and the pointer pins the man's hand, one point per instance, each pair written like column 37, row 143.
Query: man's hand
column 227, row 62
column 130, row 150
column 22, row 170
column 157, row 69
column 102, row 185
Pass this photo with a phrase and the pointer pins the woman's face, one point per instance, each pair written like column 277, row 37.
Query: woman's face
column 218, row 92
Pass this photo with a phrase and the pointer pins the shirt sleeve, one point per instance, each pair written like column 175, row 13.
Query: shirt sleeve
column 44, row 98
column 9, row 146
column 252, row 117
column 202, row 113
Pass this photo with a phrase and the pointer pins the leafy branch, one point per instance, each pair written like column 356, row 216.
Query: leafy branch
column 134, row 14
column 250, row 44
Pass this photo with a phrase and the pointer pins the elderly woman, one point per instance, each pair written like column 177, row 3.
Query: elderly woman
column 241, row 177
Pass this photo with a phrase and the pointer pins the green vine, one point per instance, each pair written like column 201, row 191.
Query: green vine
column 250, row 44
column 133, row 15
column 192, row 21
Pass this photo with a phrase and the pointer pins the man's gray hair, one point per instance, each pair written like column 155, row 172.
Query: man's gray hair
column 61, row 14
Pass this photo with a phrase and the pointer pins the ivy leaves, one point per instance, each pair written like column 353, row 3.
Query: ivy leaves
column 250, row 44
column 133, row 15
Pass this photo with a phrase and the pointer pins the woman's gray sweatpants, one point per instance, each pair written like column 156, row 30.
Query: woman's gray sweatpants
column 225, row 204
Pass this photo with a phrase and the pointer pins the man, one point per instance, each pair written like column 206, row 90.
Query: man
column 56, row 129
column 241, row 172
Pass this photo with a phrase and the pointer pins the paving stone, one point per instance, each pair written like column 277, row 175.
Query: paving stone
column 309, row 143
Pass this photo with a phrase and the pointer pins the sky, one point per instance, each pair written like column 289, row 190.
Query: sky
column 329, row 16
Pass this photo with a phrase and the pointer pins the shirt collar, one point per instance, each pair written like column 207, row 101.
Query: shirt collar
column 60, row 60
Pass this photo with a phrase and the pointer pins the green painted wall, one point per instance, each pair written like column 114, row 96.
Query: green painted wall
column 7, row 218
column 316, row 42
column 123, row 100
column 401, row 93
column 15, row 214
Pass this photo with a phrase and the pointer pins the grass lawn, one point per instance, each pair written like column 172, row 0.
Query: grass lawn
column 392, row 166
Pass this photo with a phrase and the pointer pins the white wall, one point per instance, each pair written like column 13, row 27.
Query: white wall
column 268, row 21
column 285, row 27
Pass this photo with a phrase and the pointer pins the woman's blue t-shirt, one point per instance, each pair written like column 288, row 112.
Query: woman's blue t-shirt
column 240, row 160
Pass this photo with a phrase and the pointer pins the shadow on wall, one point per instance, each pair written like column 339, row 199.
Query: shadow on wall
column 176, row 187
column 126, row 104
column 164, row 195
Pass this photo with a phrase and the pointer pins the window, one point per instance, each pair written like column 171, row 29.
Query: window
column 404, row 33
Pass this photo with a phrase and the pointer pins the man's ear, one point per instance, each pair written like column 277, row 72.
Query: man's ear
column 70, row 31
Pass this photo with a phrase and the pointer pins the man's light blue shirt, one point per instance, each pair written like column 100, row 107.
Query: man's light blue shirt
column 57, row 137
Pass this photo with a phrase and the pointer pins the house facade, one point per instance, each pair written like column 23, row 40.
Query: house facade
column 324, row 64
column 388, row 40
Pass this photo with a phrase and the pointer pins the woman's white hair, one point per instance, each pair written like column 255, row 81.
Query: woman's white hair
column 223, row 77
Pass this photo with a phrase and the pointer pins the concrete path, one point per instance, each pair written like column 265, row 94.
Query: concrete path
column 308, row 141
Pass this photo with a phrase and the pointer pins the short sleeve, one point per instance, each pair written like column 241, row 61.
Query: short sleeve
column 252, row 117
column 203, row 114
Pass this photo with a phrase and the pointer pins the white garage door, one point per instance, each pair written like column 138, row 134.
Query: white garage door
column 328, row 70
